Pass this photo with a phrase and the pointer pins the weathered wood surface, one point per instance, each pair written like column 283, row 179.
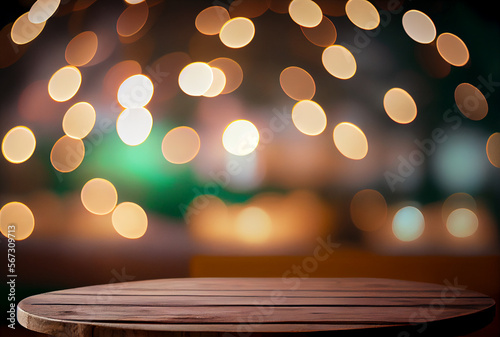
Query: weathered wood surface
column 258, row 306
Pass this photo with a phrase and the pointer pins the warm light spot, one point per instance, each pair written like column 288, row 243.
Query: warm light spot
column 305, row 13
column 350, row 141
column 99, row 196
column 81, row 49
column 309, row 117
column 408, row 224
column 253, row 225
column 42, row 10
column 419, row 26
column 134, row 2
column 240, row 137
column 462, row 223
column 400, row 106
column 452, row 49
column 297, row 83
column 196, row 78
column 134, row 125
column 323, row 35
column 180, row 145
column 64, row 84
column 67, row 154
column 132, row 19
column 129, row 220
column 218, row 83
column 135, row 92
column 248, row 8
column 232, row 72
column 493, row 149
column 339, row 62
column 362, row 14
column 18, row 144
column 456, row 201
column 119, row 73
column 237, row 32
column 210, row 20
column 368, row 210
column 79, row 120
column 24, row 31
column 471, row 101
column 16, row 221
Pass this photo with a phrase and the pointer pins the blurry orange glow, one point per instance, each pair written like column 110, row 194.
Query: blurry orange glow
column 196, row 78
column 42, row 10
column 9, row 55
column 232, row 72
column 79, row 120
column 24, row 31
column 81, row 49
column 132, row 19
column 129, row 220
column 297, row 83
column 218, row 83
column 400, row 106
column 253, row 225
column 419, row 26
column 350, row 141
column 172, row 64
column 135, row 92
column 67, row 154
column 134, row 2
column 210, row 20
column 322, row 35
column 362, row 14
column 240, row 137
column 207, row 217
column 80, row 5
column 64, row 84
column 408, row 224
column 99, row 196
column 16, row 221
column 237, row 32
column 452, row 49
column 119, row 73
column 180, row 145
column 305, row 13
column 309, row 117
column 471, row 101
column 456, row 201
column 339, row 62
column 368, row 210
column 134, row 125
column 249, row 8
column 18, row 144
column 493, row 149
column 462, row 223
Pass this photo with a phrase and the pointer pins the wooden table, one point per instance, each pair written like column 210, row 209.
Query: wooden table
column 243, row 307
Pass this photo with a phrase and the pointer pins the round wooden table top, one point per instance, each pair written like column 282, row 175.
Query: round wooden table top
column 240, row 307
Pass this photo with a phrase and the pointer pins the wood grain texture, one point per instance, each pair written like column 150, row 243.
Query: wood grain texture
column 240, row 307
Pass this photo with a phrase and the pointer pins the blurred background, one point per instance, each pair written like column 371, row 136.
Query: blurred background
column 421, row 203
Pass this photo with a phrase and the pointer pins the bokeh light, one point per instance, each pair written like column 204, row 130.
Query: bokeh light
column 309, row 117
column 339, row 62
column 24, row 31
column 180, row 145
column 218, row 83
column 322, row 35
column 232, row 71
column 462, row 223
column 452, row 49
column 67, row 154
column 471, row 102
column 408, row 224
column 253, row 225
column 297, row 83
column 42, row 10
column 16, row 221
column 210, row 20
column 350, row 141
column 130, row 220
column 79, row 120
column 362, row 14
column 368, row 210
column 240, row 137
column 419, row 26
column 135, row 92
column 400, row 106
column 305, row 13
column 456, row 201
column 81, row 49
column 18, row 144
column 99, row 196
column 237, row 32
column 134, row 125
column 64, row 84
column 196, row 78
column 117, row 74
column 493, row 149
column 132, row 19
